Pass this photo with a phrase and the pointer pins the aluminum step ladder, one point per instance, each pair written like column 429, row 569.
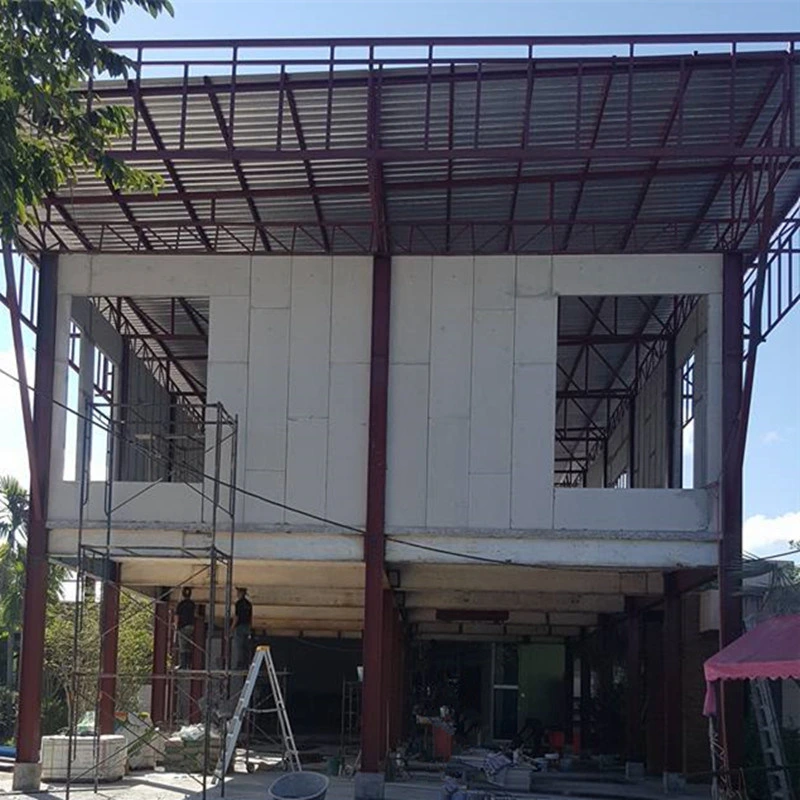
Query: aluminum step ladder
column 291, row 757
column 769, row 733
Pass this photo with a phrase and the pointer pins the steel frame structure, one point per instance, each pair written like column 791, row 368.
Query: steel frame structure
column 364, row 191
column 356, row 193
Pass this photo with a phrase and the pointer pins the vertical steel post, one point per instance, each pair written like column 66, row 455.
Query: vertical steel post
column 569, row 690
column 198, row 657
column 673, row 689
column 371, row 735
column 586, row 691
column 634, row 751
column 730, row 547
column 109, row 643
column 158, row 691
column 26, row 770
column 673, row 424
column 632, row 443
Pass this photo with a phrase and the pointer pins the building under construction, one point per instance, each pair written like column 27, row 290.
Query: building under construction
column 444, row 350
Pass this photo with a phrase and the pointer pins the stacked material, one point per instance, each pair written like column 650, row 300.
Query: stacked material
column 105, row 755
column 185, row 751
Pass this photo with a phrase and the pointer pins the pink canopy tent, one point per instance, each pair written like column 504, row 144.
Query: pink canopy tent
column 770, row 650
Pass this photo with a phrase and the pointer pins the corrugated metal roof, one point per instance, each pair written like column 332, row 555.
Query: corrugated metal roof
column 480, row 155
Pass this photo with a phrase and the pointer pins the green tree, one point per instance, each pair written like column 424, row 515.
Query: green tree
column 72, row 674
column 49, row 128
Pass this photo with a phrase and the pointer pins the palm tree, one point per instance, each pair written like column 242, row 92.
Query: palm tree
column 13, row 526
column 14, row 507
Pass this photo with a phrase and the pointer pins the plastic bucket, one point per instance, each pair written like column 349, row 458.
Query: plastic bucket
column 334, row 765
column 299, row 786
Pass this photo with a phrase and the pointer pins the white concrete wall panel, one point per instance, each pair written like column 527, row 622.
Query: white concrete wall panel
column 309, row 339
column 267, row 483
column 348, row 443
column 410, row 315
column 351, row 304
column 451, row 337
column 490, row 501
column 494, row 282
column 271, row 282
column 407, row 445
column 306, row 469
column 448, row 473
column 637, row 274
column 228, row 329
column 268, row 389
column 491, row 407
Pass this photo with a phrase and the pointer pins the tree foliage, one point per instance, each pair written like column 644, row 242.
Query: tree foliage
column 49, row 126
column 135, row 652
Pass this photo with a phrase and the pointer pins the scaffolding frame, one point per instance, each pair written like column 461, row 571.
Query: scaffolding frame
column 101, row 562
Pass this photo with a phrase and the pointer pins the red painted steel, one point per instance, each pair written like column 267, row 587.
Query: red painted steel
column 158, row 700
column 109, row 647
column 673, row 688
column 730, row 548
column 198, row 659
column 33, row 619
column 634, row 750
column 374, row 544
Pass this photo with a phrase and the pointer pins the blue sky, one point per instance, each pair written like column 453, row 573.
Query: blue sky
column 772, row 471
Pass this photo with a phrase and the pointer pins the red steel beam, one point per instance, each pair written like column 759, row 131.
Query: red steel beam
column 374, row 543
column 109, row 646
column 237, row 165
column 677, row 103
column 152, row 129
column 309, row 170
column 673, row 684
column 149, row 325
column 540, row 154
column 633, row 711
column 398, row 186
column 730, row 545
column 158, row 700
column 588, row 163
column 34, row 601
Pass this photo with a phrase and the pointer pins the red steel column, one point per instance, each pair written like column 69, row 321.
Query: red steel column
column 372, row 738
column 33, row 619
column 158, row 700
column 634, row 741
column 569, row 690
column 586, row 692
column 673, row 689
column 730, row 547
column 109, row 642
column 388, row 658
column 198, row 660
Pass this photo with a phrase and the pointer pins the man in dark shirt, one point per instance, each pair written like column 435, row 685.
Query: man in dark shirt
column 242, row 629
column 185, row 611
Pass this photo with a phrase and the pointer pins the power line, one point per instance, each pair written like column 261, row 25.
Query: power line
column 109, row 430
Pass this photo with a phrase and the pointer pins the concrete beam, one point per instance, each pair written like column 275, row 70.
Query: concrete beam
column 490, row 629
column 249, row 573
column 307, row 625
column 428, row 615
column 296, row 613
column 475, row 578
column 287, row 596
column 516, row 601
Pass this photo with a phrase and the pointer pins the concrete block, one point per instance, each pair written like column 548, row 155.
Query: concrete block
column 492, row 379
column 270, row 281
column 309, row 338
column 407, row 457
column 74, row 274
column 306, row 469
column 634, row 771
column 645, row 510
column 489, row 501
column 271, row 484
column 536, row 331
column 451, row 337
column 494, row 282
column 534, row 276
column 368, row 786
column 348, row 445
column 637, row 274
column 268, row 388
column 410, row 319
column 448, row 479
column 170, row 276
column 229, row 329
column 533, row 445
column 27, row 778
column 351, row 310
column 674, row 783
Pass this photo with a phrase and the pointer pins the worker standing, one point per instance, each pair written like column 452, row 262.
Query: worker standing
column 242, row 631
column 185, row 611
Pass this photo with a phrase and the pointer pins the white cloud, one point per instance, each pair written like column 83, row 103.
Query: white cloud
column 764, row 536
column 771, row 437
